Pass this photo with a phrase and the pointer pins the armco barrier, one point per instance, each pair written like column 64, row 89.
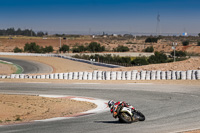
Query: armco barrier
column 114, row 75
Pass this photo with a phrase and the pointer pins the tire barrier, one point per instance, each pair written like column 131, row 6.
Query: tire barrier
column 114, row 75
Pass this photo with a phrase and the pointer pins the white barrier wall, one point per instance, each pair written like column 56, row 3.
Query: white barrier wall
column 114, row 75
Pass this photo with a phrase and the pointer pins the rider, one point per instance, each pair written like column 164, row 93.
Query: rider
column 114, row 106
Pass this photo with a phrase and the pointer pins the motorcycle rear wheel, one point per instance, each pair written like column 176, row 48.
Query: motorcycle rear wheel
column 125, row 117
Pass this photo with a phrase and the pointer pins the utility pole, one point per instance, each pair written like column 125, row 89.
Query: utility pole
column 174, row 48
column 60, row 44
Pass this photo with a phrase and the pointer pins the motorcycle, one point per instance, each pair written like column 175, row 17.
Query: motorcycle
column 129, row 115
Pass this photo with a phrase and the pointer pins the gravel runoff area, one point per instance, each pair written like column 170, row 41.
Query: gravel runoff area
column 24, row 108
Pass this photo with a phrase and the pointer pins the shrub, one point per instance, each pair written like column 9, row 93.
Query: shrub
column 32, row 48
column 121, row 49
column 79, row 49
column 140, row 61
column 198, row 43
column 149, row 49
column 17, row 50
column 158, row 57
column 151, row 40
column 185, row 43
column 95, row 47
column 64, row 48
column 47, row 49
column 178, row 53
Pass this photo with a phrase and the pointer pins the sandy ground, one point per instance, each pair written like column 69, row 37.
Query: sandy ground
column 22, row 108
column 7, row 69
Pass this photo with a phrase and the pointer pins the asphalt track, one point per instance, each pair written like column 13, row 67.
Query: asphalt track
column 168, row 108
column 29, row 66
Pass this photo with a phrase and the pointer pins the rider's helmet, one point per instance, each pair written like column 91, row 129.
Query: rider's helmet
column 111, row 103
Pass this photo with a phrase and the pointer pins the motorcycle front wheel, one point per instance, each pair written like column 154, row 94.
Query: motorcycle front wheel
column 140, row 116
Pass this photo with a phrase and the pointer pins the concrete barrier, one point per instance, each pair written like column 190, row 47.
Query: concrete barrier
column 47, row 76
column 89, row 75
column 174, row 77
column 183, row 75
column 75, row 75
column 56, row 76
column 143, row 75
column 94, row 75
column 123, row 75
column 113, row 75
column 134, row 74
column 169, row 75
column 42, row 76
column 194, row 75
column 60, row 76
column 70, row 75
column 99, row 75
column 85, row 75
column 119, row 75
column 153, row 75
column 148, row 75
column 198, row 74
column 189, row 74
column 80, row 75
column 158, row 75
column 178, row 75
column 138, row 76
column 163, row 75
column 107, row 75
column 66, row 76
column 128, row 75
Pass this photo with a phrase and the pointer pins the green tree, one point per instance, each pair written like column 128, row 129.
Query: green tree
column 199, row 34
column 185, row 43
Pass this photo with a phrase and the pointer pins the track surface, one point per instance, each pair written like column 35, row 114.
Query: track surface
column 168, row 108
column 30, row 66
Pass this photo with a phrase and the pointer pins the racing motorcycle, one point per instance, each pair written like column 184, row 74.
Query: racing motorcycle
column 129, row 115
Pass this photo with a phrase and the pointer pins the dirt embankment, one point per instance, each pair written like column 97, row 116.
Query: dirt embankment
column 23, row 108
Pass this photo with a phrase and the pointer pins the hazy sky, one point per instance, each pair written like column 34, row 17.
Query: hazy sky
column 101, row 15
